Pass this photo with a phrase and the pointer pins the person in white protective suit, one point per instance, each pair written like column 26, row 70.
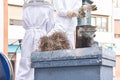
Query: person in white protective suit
column 37, row 21
column 66, row 18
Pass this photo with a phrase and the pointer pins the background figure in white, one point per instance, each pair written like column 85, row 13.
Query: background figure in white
column 66, row 17
column 37, row 21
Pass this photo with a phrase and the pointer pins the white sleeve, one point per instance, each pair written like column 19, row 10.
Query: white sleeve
column 50, row 23
column 59, row 7
column 77, row 5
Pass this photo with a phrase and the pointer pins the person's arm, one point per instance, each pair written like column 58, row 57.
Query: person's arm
column 50, row 23
column 77, row 5
column 75, row 9
column 59, row 7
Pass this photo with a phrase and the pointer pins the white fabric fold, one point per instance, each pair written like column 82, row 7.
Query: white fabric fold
column 37, row 21
column 63, row 21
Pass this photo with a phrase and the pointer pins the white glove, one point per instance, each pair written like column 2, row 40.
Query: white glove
column 89, row 7
column 92, row 7
column 71, row 14
column 81, row 12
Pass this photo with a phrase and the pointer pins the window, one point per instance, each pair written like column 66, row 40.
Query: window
column 117, row 28
column 117, row 35
column 15, row 22
column 100, row 21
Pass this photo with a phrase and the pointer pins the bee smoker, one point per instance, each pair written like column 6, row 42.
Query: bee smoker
column 84, row 30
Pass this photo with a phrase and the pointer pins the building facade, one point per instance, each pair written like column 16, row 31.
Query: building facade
column 117, row 37
column 1, row 25
column 4, row 26
column 103, row 20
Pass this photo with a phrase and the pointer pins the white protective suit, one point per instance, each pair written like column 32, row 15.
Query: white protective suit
column 37, row 21
column 63, row 21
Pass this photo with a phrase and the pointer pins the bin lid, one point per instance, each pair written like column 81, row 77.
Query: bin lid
column 79, row 53
column 91, row 55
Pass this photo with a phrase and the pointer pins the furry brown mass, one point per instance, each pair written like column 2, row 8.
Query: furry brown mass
column 56, row 41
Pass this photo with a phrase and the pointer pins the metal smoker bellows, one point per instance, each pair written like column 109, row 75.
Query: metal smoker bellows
column 85, row 31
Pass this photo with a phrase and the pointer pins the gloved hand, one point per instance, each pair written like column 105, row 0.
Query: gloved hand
column 71, row 14
column 90, row 7
column 81, row 12
column 74, row 14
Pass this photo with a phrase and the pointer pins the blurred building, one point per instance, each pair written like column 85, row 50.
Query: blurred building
column 1, row 25
column 117, row 36
column 15, row 31
column 103, row 20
